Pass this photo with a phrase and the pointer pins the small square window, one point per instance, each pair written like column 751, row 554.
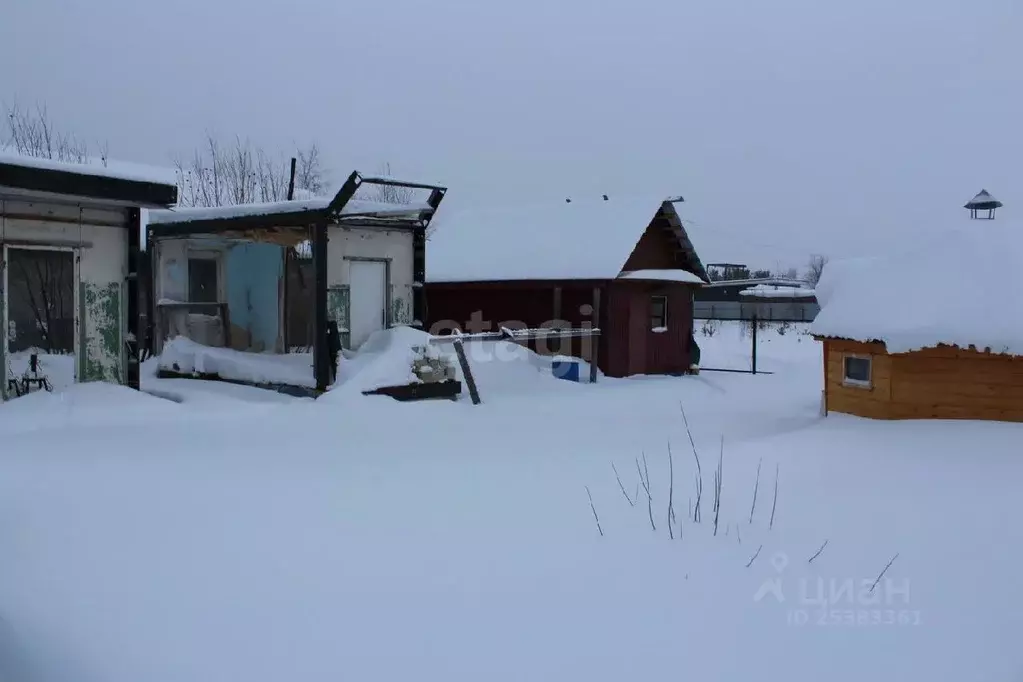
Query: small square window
column 202, row 280
column 857, row 371
column 658, row 312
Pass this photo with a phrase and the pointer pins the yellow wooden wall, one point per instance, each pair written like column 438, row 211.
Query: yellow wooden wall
column 935, row 383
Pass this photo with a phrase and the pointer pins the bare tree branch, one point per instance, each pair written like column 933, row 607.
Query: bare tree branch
column 620, row 485
column 594, row 510
column 644, row 479
column 754, row 557
column 815, row 268
column 671, row 493
column 31, row 132
column 756, row 486
column 393, row 195
column 818, row 552
column 241, row 172
column 883, row 572
column 774, row 505
column 699, row 469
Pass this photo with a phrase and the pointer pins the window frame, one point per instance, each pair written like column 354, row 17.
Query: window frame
column 858, row 383
column 664, row 311
column 216, row 258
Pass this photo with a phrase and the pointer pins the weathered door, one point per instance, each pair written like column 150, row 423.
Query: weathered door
column 368, row 281
column 40, row 318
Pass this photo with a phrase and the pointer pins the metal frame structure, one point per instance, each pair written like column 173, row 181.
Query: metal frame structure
column 312, row 224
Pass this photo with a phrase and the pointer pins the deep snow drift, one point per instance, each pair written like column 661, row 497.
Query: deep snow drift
column 361, row 538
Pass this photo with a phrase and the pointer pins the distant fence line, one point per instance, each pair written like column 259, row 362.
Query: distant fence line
column 768, row 312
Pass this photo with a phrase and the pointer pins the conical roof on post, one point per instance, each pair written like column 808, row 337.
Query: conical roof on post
column 983, row 201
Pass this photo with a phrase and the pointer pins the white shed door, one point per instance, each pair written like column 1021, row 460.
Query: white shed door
column 368, row 295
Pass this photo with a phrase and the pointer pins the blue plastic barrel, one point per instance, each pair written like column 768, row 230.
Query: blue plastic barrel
column 566, row 369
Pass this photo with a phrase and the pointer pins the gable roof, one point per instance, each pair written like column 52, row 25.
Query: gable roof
column 963, row 288
column 590, row 238
column 119, row 182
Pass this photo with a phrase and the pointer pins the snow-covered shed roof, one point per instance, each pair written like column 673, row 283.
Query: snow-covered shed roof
column 758, row 281
column 353, row 207
column 775, row 291
column 721, row 238
column 587, row 238
column 96, row 179
column 963, row 288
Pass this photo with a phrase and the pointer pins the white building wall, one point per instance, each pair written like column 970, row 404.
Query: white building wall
column 393, row 246
column 102, row 257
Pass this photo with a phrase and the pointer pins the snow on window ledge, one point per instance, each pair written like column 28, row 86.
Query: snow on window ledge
column 659, row 330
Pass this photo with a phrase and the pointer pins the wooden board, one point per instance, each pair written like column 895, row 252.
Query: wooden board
column 432, row 391
column 936, row 383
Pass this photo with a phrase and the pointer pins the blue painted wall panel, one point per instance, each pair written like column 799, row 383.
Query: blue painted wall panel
column 253, row 276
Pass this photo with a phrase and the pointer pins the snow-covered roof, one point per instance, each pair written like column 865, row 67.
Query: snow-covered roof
column 719, row 239
column 983, row 199
column 963, row 288
column 662, row 276
column 354, row 206
column 757, row 281
column 587, row 238
column 769, row 291
column 107, row 168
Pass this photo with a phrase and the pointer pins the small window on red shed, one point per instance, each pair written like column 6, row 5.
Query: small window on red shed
column 658, row 312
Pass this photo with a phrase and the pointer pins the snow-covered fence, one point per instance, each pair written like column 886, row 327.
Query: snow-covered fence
column 770, row 311
column 458, row 339
column 513, row 335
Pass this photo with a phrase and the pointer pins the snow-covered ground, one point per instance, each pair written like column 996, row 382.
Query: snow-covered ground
column 355, row 537
column 780, row 347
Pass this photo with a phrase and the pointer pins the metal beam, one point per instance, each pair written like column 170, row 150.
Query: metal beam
column 436, row 196
column 391, row 182
column 344, row 195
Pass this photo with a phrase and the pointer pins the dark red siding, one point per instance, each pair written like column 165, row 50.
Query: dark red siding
column 668, row 351
column 488, row 306
column 627, row 343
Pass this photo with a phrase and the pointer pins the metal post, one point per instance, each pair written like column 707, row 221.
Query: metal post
column 291, row 180
column 463, row 362
column 133, row 331
column 595, row 346
column 419, row 312
column 754, row 337
column 321, row 352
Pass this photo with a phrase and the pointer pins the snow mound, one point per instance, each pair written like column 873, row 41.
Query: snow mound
column 499, row 367
column 931, row 296
column 385, row 359
column 92, row 403
column 506, row 368
column 185, row 356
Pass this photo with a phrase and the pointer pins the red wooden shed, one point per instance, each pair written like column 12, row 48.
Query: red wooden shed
column 625, row 265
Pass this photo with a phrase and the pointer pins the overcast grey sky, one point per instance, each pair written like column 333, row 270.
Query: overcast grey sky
column 790, row 119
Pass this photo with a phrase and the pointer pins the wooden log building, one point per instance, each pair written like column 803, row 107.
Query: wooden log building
column 932, row 334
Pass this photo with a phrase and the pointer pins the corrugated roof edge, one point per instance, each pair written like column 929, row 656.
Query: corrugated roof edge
column 80, row 180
